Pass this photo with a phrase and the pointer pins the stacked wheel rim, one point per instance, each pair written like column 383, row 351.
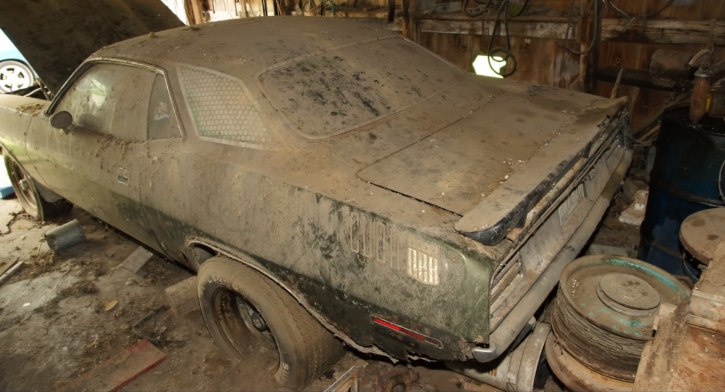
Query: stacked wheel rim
column 603, row 316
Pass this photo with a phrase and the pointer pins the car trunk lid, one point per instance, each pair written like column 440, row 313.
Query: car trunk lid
column 495, row 164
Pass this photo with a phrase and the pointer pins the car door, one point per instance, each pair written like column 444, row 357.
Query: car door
column 97, row 162
column 164, row 180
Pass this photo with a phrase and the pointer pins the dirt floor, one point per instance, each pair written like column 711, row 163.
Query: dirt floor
column 63, row 314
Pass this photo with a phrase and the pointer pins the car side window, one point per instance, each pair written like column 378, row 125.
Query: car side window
column 110, row 99
column 161, row 122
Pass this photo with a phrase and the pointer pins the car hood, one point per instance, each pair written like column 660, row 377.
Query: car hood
column 55, row 36
column 516, row 143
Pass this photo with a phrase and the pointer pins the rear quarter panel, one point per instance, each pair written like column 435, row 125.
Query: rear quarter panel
column 345, row 263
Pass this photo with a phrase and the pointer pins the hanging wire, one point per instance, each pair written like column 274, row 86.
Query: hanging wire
column 569, row 28
column 503, row 53
column 502, row 17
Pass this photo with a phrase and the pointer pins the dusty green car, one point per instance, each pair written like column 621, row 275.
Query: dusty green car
column 331, row 182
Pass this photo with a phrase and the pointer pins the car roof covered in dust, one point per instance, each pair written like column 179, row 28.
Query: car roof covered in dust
column 244, row 47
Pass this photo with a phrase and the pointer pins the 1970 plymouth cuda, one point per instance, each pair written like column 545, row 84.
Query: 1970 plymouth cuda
column 330, row 181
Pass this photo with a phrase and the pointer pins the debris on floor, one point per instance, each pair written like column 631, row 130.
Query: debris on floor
column 182, row 297
column 136, row 259
column 65, row 236
column 599, row 249
column 634, row 214
column 8, row 267
column 119, row 371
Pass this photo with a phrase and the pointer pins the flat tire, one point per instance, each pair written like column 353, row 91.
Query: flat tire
column 248, row 314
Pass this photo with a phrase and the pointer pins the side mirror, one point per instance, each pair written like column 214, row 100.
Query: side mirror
column 61, row 120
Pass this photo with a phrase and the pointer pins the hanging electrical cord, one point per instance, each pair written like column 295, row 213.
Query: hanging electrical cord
column 499, row 52
column 502, row 17
column 569, row 28
column 645, row 15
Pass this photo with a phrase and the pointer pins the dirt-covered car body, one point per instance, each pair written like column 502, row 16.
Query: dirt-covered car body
column 414, row 209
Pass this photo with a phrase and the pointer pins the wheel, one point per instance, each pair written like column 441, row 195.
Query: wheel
column 27, row 193
column 15, row 75
column 247, row 314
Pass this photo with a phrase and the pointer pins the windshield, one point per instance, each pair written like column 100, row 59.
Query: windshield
column 328, row 93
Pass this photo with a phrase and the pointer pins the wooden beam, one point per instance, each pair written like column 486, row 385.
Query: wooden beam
column 672, row 32
column 196, row 10
column 517, row 28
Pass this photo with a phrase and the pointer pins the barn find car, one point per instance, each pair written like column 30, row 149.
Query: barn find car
column 327, row 178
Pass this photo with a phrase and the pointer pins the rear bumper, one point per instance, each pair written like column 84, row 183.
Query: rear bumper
column 515, row 321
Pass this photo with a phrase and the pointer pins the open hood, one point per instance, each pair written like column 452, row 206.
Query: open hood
column 55, row 36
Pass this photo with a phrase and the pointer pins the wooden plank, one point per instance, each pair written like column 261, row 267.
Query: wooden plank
column 654, row 370
column 456, row 48
column 196, row 11
column 485, row 27
column 713, row 9
column 683, row 10
column 119, row 371
column 676, row 32
column 700, row 363
column 489, row 18
column 136, row 259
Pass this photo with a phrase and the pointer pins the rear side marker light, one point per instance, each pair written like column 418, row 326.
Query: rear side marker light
column 407, row 332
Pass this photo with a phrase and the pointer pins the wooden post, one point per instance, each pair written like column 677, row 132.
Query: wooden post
column 410, row 19
column 197, row 11
column 585, row 32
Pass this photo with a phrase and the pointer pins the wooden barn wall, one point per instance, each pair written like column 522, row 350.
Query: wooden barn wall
column 226, row 9
column 632, row 49
column 546, row 60
column 538, row 38
column 542, row 60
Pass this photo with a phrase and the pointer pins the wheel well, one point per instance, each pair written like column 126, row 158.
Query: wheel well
column 200, row 253
column 206, row 252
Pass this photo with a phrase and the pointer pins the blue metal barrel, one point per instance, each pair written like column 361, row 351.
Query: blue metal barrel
column 684, row 180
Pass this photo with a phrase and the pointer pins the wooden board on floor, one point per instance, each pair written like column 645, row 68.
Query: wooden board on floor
column 119, row 371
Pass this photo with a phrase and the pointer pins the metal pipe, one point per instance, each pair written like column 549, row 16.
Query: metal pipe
column 65, row 236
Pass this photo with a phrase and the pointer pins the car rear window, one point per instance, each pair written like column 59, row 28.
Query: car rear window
column 324, row 94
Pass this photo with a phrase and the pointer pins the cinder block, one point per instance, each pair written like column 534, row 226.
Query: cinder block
column 183, row 297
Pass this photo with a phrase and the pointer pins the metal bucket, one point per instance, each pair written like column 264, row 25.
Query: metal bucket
column 684, row 180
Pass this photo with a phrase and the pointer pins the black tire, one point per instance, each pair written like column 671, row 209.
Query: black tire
column 15, row 75
column 234, row 298
column 27, row 192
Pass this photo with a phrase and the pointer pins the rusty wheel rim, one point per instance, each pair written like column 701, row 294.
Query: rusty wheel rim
column 23, row 185
column 243, row 328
